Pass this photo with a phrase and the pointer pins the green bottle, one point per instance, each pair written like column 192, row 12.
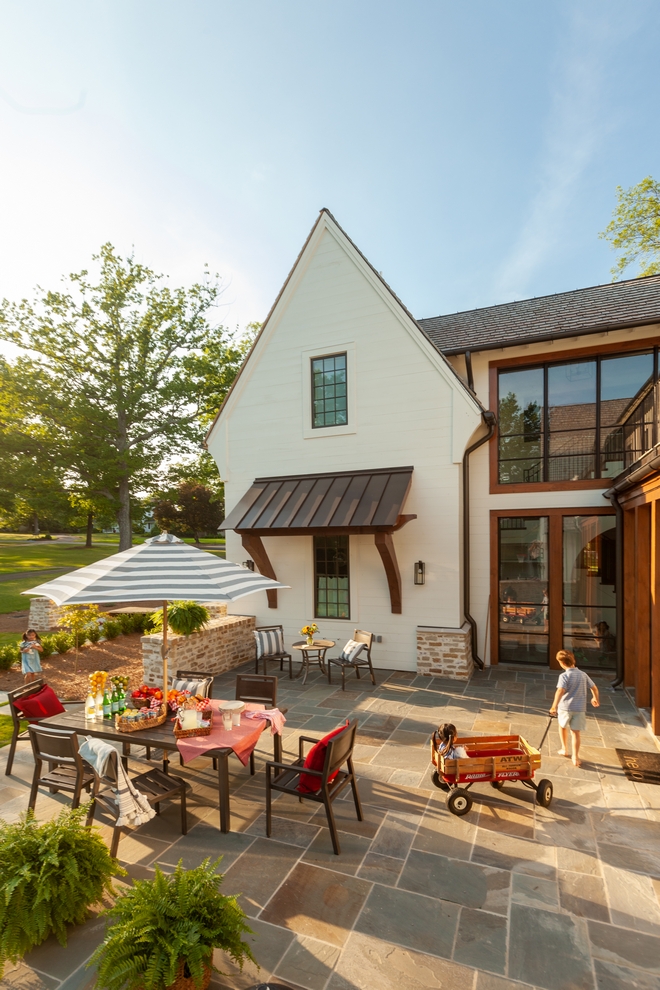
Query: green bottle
column 121, row 695
column 114, row 701
column 107, row 705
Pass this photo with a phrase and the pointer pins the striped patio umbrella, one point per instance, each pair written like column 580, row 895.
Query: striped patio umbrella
column 161, row 569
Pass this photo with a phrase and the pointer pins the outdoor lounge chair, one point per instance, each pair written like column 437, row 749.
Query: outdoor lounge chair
column 269, row 641
column 361, row 658
column 287, row 777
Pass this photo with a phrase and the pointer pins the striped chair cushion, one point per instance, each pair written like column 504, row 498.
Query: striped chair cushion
column 200, row 687
column 351, row 651
column 270, row 643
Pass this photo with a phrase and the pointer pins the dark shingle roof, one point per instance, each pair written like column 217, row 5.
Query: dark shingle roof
column 634, row 302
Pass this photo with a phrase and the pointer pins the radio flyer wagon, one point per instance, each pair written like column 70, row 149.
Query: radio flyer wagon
column 496, row 759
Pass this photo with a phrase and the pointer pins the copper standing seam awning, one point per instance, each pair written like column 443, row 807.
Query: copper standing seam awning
column 336, row 504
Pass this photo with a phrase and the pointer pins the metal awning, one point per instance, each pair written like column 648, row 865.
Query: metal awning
column 339, row 502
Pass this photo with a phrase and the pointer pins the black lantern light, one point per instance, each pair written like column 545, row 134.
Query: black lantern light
column 419, row 572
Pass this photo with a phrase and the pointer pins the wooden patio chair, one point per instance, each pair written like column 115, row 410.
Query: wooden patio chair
column 67, row 770
column 361, row 659
column 333, row 779
column 271, row 647
column 260, row 688
column 189, row 675
column 19, row 734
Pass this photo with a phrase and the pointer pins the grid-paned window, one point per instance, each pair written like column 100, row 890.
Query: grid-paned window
column 329, row 401
column 331, row 580
column 576, row 420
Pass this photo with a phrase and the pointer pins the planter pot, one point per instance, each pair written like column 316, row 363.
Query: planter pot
column 187, row 983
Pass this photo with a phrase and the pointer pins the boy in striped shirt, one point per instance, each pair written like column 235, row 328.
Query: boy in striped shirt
column 570, row 703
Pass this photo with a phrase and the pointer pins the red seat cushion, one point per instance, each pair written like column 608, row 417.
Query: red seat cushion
column 40, row 705
column 314, row 761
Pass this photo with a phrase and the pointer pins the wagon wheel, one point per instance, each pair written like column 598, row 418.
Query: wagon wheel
column 438, row 781
column 497, row 784
column 544, row 793
column 459, row 802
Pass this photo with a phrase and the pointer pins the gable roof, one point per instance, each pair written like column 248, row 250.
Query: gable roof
column 616, row 305
column 324, row 216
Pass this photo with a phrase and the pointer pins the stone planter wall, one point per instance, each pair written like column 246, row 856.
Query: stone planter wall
column 444, row 652
column 44, row 615
column 227, row 642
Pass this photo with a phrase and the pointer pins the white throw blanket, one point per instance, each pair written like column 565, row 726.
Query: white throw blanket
column 134, row 809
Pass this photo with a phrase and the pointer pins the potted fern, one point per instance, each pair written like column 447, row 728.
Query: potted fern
column 51, row 873
column 163, row 932
column 183, row 618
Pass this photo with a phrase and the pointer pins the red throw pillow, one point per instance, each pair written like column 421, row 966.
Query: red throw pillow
column 40, row 705
column 315, row 760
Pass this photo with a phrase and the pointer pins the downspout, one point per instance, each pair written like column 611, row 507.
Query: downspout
column 490, row 421
column 618, row 577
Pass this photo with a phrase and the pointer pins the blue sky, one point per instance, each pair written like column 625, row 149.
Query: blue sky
column 471, row 150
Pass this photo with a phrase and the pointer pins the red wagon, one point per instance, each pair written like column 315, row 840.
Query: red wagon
column 496, row 759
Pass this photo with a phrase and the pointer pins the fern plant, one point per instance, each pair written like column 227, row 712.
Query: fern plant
column 51, row 873
column 167, row 927
column 183, row 618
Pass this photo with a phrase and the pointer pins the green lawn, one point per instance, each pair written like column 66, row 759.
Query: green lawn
column 6, row 729
column 45, row 555
column 11, row 599
column 10, row 639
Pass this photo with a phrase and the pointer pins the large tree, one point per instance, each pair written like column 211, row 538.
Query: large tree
column 118, row 371
column 635, row 228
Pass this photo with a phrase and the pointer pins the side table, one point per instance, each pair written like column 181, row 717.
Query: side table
column 313, row 654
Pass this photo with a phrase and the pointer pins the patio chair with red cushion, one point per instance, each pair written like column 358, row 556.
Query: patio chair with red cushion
column 29, row 703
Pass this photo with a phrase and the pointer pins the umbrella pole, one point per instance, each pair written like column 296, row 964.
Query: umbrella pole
column 164, row 650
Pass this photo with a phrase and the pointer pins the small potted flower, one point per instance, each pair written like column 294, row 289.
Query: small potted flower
column 308, row 632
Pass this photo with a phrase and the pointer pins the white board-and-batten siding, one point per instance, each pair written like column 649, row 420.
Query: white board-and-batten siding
column 406, row 407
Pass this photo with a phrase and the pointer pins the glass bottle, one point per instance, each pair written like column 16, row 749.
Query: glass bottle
column 114, row 700
column 99, row 704
column 107, row 705
column 90, row 706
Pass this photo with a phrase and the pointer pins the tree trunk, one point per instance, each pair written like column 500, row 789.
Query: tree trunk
column 124, row 516
column 35, row 524
column 90, row 523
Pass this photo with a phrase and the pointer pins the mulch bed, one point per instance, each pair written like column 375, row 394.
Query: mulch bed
column 122, row 655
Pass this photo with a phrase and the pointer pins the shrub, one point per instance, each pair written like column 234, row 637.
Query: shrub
column 111, row 629
column 9, row 655
column 63, row 642
column 183, row 618
column 126, row 622
column 48, row 647
column 50, row 874
column 169, row 926
column 94, row 634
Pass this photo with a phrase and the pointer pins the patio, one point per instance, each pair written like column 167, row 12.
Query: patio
column 510, row 896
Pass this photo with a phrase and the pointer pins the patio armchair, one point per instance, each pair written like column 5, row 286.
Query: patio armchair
column 269, row 641
column 260, row 688
column 15, row 699
column 321, row 785
column 67, row 770
column 352, row 657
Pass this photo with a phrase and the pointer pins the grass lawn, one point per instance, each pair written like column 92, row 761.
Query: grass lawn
column 46, row 555
column 6, row 729
column 11, row 639
column 11, row 599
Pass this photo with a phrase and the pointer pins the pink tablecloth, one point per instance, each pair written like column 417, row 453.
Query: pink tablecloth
column 242, row 738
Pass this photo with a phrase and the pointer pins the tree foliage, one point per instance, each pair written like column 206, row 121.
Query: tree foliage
column 117, row 372
column 635, row 228
column 191, row 507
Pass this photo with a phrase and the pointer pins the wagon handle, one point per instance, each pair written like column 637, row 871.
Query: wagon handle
column 547, row 729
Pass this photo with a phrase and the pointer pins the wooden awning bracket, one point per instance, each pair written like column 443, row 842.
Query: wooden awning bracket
column 385, row 546
column 403, row 521
column 257, row 551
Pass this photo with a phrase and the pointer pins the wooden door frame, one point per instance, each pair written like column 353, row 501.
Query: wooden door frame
column 555, row 571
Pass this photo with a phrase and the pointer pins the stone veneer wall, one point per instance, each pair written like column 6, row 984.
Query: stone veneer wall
column 44, row 614
column 226, row 643
column 444, row 652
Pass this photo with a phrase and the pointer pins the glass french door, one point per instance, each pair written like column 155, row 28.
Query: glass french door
column 555, row 588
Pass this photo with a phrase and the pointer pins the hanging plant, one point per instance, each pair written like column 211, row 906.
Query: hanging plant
column 183, row 618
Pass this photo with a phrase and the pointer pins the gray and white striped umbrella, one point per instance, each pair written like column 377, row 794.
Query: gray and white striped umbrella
column 162, row 568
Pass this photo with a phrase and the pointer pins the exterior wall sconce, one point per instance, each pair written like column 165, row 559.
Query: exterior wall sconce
column 249, row 564
column 419, row 572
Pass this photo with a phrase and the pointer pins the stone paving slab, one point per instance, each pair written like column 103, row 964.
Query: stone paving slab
column 510, row 897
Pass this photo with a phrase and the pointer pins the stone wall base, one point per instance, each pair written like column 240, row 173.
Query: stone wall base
column 444, row 652
column 44, row 615
column 227, row 642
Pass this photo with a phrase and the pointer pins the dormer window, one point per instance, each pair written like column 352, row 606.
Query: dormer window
column 329, row 398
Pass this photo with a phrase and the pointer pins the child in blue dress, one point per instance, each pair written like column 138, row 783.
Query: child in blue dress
column 30, row 649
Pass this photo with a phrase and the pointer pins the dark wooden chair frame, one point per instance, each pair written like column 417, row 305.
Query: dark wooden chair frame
column 266, row 657
column 191, row 675
column 363, row 659
column 338, row 753
column 260, row 688
column 19, row 734
column 67, row 770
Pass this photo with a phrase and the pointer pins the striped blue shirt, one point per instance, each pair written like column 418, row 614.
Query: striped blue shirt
column 576, row 684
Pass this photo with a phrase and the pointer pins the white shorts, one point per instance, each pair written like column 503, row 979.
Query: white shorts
column 577, row 721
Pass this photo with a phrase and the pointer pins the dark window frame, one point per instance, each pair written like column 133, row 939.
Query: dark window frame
column 567, row 358
column 321, row 545
column 325, row 357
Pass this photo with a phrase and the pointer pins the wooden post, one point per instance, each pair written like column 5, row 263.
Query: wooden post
column 254, row 546
column 629, row 578
column 385, row 547
column 643, row 606
column 655, row 617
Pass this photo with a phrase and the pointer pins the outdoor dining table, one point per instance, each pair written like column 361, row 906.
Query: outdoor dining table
column 159, row 737
column 320, row 647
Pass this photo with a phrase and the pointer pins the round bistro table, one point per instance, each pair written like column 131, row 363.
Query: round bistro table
column 319, row 647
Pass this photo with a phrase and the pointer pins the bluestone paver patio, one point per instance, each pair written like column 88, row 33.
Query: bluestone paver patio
column 510, row 896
